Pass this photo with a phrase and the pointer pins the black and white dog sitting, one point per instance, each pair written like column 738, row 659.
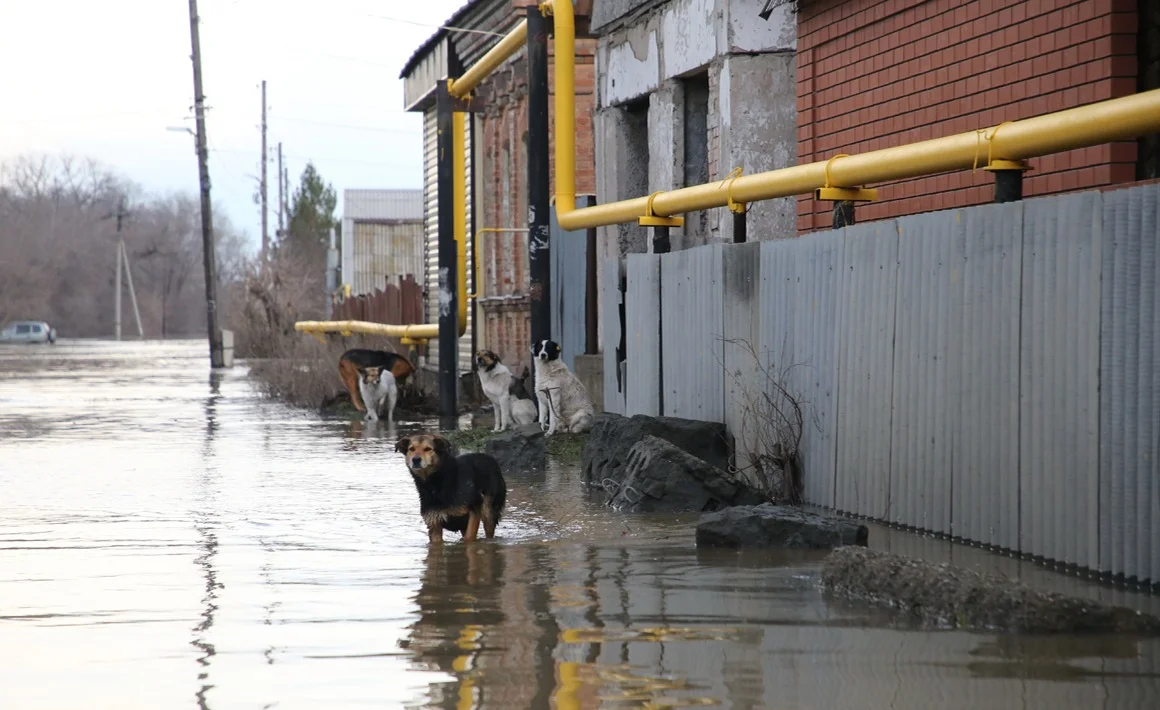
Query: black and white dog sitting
column 564, row 403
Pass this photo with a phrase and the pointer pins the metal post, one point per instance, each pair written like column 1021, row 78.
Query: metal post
column 739, row 227
column 132, row 291
column 539, row 205
column 448, row 276
column 216, row 358
column 117, row 295
column 591, row 315
column 1008, row 185
column 843, row 213
column 661, row 243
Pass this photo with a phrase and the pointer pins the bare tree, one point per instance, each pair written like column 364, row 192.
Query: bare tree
column 58, row 248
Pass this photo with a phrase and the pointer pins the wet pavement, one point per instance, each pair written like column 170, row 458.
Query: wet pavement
column 168, row 539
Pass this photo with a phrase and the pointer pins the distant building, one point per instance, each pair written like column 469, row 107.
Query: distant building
column 382, row 238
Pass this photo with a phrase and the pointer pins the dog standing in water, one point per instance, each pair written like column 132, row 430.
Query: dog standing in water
column 376, row 386
column 456, row 493
column 355, row 360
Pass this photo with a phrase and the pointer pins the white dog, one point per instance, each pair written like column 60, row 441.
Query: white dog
column 496, row 380
column 376, row 385
column 564, row 403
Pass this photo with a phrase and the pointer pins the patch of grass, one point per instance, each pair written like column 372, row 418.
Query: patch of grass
column 563, row 448
column 469, row 440
column 566, row 448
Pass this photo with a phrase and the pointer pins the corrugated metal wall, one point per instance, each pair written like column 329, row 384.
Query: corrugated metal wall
column 569, row 284
column 382, row 253
column 985, row 373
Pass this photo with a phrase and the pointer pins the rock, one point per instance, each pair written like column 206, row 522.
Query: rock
column 658, row 476
column 520, row 450
column 604, row 461
column 769, row 525
column 943, row 595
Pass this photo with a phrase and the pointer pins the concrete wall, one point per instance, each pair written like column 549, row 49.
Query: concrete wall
column 646, row 52
column 982, row 373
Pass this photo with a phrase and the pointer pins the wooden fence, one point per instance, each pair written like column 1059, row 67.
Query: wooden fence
column 397, row 304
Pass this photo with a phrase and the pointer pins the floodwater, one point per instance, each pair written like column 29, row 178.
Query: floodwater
column 168, row 539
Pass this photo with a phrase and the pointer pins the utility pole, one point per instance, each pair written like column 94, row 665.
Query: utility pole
column 119, row 282
column 265, row 202
column 210, row 257
column 281, row 197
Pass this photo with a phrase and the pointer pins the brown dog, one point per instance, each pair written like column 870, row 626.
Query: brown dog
column 456, row 493
column 359, row 359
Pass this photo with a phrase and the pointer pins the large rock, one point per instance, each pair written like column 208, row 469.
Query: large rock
column 947, row 596
column 658, row 476
column 769, row 525
column 520, row 450
column 605, row 458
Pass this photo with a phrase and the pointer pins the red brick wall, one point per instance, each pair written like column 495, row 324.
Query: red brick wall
column 504, row 198
column 879, row 73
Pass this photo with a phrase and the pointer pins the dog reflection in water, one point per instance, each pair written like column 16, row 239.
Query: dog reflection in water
column 456, row 493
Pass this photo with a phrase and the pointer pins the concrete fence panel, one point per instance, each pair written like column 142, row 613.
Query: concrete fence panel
column 866, row 311
column 1129, row 429
column 692, row 348
column 643, row 330
column 986, row 373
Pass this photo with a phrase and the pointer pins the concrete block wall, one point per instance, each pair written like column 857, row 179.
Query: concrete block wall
column 878, row 73
column 647, row 51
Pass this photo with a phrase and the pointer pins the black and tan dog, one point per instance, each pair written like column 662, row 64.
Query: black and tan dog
column 358, row 359
column 456, row 493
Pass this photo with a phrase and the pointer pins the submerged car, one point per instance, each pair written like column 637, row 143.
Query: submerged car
column 28, row 331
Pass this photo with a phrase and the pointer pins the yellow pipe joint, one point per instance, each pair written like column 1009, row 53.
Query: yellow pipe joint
column 511, row 43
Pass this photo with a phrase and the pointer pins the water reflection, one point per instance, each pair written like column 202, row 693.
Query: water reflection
column 184, row 524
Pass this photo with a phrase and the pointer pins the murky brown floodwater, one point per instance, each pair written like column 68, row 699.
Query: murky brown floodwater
column 169, row 540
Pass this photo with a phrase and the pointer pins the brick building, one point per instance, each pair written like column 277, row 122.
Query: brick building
column 878, row 73
column 497, row 140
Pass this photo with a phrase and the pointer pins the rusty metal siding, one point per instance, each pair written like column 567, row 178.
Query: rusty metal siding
column 691, row 300
column 1059, row 378
column 865, row 367
column 1130, row 385
column 984, row 366
column 642, row 332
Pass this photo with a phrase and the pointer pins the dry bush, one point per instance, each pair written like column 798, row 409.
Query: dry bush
column 295, row 367
column 773, row 422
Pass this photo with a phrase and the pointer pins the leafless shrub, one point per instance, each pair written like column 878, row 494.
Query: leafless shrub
column 773, row 420
column 290, row 366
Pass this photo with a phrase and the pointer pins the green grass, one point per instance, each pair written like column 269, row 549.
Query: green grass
column 467, row 440
column 563, row 448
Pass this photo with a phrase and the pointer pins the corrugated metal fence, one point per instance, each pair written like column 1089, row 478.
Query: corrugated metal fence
column 988, row 373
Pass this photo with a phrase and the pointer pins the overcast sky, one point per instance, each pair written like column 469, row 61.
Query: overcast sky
column 105, row 80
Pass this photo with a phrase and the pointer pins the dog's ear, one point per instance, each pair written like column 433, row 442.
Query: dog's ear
column 442, row 447
column 402, row 445
column 553, row 350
